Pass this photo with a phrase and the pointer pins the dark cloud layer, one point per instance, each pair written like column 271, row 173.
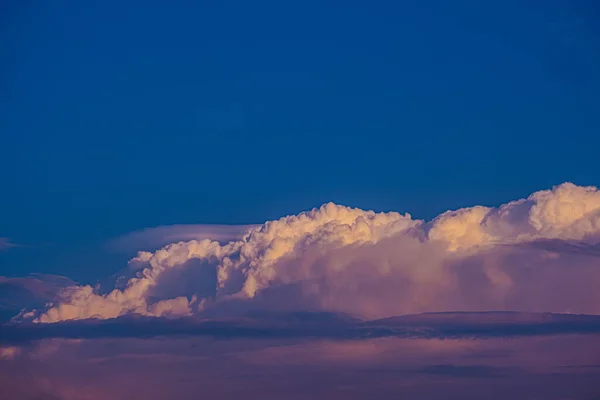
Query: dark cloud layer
column 305, row 325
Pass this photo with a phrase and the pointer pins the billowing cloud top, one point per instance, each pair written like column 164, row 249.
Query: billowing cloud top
column 369, row 264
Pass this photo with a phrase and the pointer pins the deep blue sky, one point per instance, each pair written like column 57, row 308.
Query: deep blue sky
column 122, row 115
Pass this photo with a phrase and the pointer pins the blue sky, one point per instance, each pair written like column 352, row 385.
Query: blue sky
column 123, row 115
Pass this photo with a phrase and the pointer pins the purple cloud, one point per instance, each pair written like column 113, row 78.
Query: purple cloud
column 552, row 368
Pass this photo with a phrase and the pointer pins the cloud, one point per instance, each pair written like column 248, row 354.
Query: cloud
column 6, row 244
column 184, row 366
column 33, row 291
column 312, row 326
column 468, row 371
column 8, row 353
column 342, row 259
column 153, row 238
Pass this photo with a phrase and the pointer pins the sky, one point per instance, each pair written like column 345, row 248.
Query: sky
column 169, row 164
column 124, row 116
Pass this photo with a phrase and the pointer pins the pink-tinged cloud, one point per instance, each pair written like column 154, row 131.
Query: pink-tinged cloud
column 9, row 353
column 518, row 256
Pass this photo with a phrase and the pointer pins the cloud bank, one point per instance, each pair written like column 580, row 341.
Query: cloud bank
column 536, row 254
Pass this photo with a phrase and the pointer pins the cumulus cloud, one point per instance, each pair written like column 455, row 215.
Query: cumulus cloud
column 369, row 264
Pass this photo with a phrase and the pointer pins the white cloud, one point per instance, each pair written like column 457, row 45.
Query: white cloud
column 373, row 264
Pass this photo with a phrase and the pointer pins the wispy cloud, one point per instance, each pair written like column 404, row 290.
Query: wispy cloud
column 6, row 244
column 156, row 237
